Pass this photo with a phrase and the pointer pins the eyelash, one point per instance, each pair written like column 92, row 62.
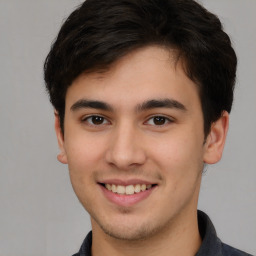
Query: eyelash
column 166, row 120
column 106, row 122
column 85, row 120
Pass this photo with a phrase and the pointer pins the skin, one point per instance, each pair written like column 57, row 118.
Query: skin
column 128, row 142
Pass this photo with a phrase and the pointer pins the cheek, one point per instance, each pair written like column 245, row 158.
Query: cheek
column 178, row 148
column 83, row 149
column 179, row 157
column 180, row 165
column 84, row 156
column 81, row 163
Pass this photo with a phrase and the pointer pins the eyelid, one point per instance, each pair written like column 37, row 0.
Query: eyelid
column 168, row 119
column 106, row 121
column 85, row 118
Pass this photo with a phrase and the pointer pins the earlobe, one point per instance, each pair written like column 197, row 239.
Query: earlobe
column 215, row 141
column 60, row 138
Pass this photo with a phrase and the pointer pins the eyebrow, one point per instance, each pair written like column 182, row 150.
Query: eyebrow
column 161, row 103
column 83, row 103
column 147, row 105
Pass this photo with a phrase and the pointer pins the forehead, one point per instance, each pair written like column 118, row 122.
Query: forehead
column 146, row 73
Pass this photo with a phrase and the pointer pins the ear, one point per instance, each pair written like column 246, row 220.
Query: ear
column 62, row 157
column 215, row 140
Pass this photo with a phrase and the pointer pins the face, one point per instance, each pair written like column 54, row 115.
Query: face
column 134, row 144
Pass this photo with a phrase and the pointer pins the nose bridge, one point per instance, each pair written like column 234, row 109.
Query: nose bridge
column 125, row 149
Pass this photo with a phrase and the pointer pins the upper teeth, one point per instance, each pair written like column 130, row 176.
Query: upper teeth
column 128, row 190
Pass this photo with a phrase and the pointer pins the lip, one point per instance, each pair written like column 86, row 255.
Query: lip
column 126, row 200
column 126, row 182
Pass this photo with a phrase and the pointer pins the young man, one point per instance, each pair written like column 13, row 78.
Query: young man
column 142, row 91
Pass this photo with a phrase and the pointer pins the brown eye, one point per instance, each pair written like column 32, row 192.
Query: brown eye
column 95, row 120
column 159, row 120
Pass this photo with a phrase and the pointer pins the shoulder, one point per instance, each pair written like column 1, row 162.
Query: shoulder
column 211, row 244
column 85, row 249
column 231, row 251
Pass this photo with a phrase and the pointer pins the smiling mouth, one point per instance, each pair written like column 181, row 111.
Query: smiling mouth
column 129, row 189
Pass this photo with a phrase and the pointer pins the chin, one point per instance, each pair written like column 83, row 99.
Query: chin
column 129, row 234
column 128, row 231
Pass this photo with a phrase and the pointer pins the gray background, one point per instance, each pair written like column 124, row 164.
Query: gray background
column 39, row 213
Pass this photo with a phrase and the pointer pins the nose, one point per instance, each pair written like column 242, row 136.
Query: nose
column 126, row 149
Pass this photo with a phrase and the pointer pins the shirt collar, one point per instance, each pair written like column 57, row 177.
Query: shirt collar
column 211, row 244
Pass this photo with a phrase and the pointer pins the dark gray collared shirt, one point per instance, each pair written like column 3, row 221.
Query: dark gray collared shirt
column 211, row 244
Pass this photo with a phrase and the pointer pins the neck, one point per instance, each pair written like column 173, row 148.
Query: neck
column 179, row 238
